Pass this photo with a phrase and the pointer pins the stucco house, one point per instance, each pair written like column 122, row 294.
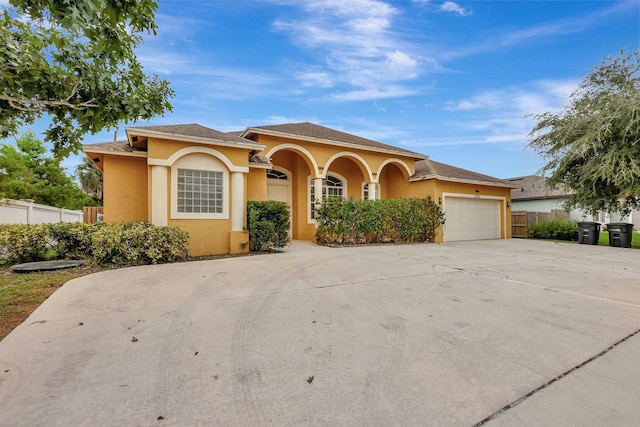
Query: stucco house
column 531, row 193
column 199, row 179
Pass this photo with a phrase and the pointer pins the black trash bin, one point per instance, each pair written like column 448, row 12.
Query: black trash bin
column 620, row 234
column 588, row 233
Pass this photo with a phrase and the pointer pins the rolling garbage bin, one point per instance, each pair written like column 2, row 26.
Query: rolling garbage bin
column 620, row 234
column 588, row 233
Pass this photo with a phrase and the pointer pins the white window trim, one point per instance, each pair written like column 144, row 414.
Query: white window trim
column 310, row 183
column 199, row 161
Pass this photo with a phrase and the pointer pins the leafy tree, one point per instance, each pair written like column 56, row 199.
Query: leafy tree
column 90, row 178
column 593, row 146
column 74, row 61
column 28, row 173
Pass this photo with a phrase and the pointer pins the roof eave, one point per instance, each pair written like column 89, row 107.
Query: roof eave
column 196, row 139
column 462, row 180
column 87, row 150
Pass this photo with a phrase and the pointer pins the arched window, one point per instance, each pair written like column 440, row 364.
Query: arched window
column 274, row 174
column 333, row 186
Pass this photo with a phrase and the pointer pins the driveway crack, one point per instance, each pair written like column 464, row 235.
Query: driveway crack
column 548, row 383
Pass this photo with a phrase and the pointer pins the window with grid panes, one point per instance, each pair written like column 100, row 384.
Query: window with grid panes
column 200, row 191
column 331, row 187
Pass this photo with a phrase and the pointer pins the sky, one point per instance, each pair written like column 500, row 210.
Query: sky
column 457, row 81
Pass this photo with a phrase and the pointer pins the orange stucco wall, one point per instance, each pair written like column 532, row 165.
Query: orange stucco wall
column 323, row 154
column 164, row 148
column 206, row 237
column 125, row 188
column 256, row 184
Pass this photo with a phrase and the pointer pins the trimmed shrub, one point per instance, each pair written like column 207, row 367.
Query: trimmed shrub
column 268, row 223
column 24, row 243
column 554, row 229
column 73, row 240
column 136, row 243
column 128, row 243
column 350, row 221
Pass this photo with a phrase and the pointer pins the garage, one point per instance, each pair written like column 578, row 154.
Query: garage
column 471, row 219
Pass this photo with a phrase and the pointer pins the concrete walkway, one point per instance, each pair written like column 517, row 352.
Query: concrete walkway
column 457, row 334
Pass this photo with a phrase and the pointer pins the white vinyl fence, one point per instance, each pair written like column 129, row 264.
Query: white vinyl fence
column 28, row 212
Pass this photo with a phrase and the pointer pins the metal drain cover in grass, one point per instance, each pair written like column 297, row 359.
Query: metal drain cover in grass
column 31, row 267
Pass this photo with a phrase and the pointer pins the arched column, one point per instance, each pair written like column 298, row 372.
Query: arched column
column 160, row 200
column 237, row 201
column 371, row 187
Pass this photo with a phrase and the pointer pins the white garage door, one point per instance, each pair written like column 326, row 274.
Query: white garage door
column 471, row 219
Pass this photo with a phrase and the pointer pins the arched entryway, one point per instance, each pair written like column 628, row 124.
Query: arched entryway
column 279, row 188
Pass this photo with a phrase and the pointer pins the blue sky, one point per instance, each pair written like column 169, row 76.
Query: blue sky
column 453, row 80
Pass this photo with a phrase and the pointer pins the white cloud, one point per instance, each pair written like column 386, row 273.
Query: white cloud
column 313, row 78
column 450, row 6
column 374, row 93
column 354, row 45
column 504, row 115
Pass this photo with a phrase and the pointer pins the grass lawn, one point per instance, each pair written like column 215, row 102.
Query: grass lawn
column 604, row 240
column 22, row 293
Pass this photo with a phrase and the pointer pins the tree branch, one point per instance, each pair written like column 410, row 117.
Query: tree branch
column 32, row 105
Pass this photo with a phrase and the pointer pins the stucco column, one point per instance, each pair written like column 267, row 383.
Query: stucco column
column 237, row 201
column 317, row 186
column 371, row 187
column 159, row 195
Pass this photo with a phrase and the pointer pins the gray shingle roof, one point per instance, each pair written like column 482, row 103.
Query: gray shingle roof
column 193, row 130
column 118, row 146
column 311, row 130
column 431, row 169
column 534, row 187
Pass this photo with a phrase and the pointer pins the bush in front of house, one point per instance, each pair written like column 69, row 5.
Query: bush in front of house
column 554, row 229
column 350, row 221
column 268, row 223
column 73, row 239
column 127, row 243
column 138, row 243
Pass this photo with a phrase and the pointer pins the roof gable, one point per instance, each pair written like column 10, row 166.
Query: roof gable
column 315, row 133
column 193, row 132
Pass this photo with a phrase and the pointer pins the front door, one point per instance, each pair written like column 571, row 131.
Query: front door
column 279, row 188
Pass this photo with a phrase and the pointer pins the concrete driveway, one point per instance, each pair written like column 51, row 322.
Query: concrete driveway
column 496, row 333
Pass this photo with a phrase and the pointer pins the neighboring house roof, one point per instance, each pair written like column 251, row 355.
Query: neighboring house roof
column 535, row 187
column 188, row 132
column 319, row 134
column 429, row 169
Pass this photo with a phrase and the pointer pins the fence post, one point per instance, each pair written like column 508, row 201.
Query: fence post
column 30, row 210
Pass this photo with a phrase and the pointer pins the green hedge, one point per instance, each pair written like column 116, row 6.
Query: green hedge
column 554, row 229
column 350, row 221
column 126, row 243
column 268, row 223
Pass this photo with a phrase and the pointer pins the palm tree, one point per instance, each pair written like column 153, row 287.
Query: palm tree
column 90, row 178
